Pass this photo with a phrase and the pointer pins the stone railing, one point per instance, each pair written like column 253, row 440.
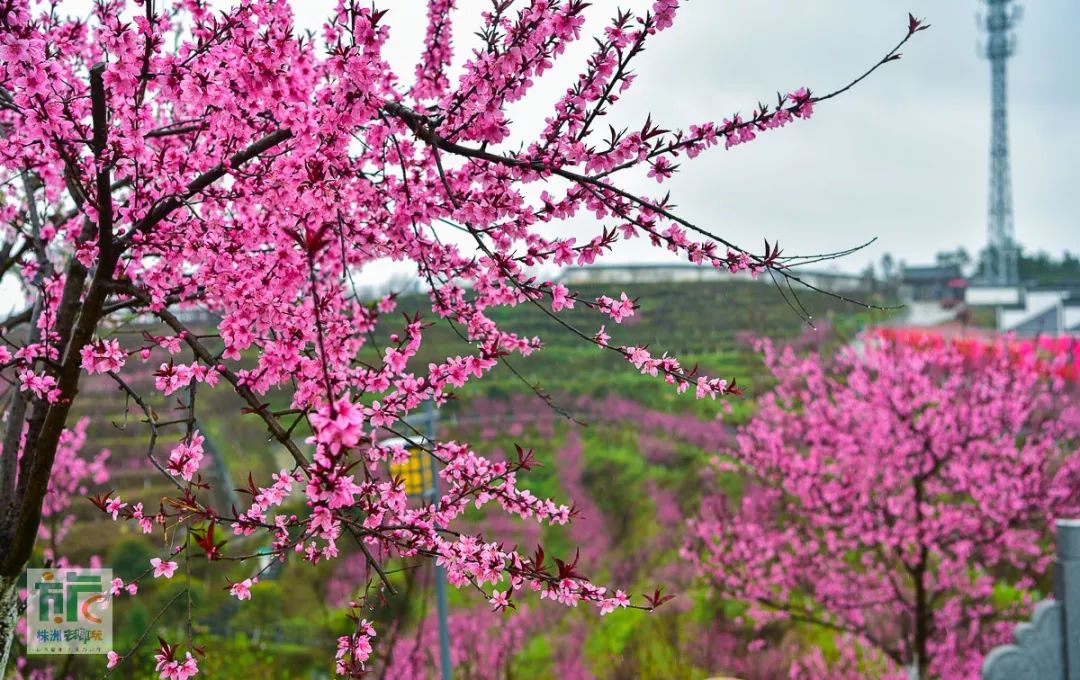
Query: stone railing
column 1048, row 647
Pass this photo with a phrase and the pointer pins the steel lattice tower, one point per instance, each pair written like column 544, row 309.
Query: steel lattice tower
column 1000, row 263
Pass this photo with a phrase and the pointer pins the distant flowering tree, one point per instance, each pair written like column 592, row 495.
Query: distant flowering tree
column 160, row 161
column 710, row 435
column 1049, row 346
column 900, row 496
column 75, row 474
column 483, row 646
column 72, row 478
column 588, row 529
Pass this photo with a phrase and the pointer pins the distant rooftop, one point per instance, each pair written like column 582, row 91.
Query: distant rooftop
column 931, row 273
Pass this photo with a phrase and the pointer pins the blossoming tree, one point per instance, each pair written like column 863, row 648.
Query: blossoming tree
column 156, row 160
column 890, row 492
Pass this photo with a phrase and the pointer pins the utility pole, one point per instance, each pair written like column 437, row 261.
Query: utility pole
column 421, row 476
column 431, row 417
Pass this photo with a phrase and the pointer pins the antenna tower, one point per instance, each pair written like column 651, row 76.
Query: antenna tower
column 1000, row 265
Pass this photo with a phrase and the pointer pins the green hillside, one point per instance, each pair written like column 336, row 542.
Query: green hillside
column 709, row 324
column 705, row 323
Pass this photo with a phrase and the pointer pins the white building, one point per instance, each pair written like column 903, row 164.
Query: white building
column 1038, row 310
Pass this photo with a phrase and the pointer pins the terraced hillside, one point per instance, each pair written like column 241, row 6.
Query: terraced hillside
column 707, row 322
column 644, row 438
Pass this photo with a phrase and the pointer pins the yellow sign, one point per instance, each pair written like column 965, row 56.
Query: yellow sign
column 416, row 472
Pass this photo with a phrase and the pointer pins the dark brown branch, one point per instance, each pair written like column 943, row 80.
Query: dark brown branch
column 279, row 433
column 38, row 459
column 177, row 130
column 372, row 561
column 98, row 104
column 9, row 455
column 74, row 332
column 165, row 208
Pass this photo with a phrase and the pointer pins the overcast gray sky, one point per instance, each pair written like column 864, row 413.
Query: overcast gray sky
column 902, row 157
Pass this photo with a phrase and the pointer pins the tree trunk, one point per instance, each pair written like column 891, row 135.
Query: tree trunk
column 9, row 616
